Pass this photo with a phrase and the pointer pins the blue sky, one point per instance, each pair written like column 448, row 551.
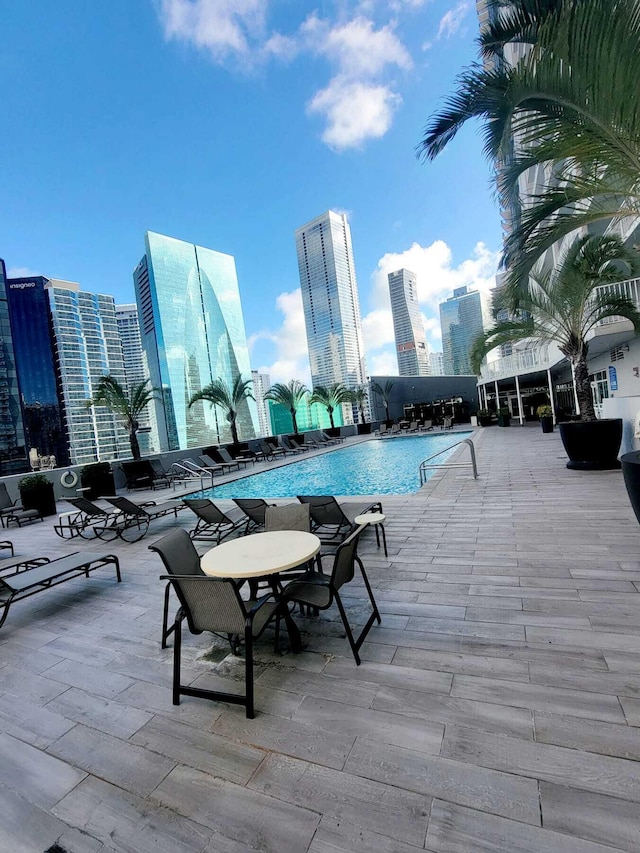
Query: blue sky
column 230, row 123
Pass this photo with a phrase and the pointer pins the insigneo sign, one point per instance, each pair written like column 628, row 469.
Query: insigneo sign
column 20, row 285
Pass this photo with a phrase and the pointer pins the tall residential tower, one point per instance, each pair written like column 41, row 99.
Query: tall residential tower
column 330, row 300
column 193, row 333
column 412, row 351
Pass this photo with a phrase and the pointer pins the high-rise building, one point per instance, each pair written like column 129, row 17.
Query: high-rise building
column 330, row 301
column 13, row 450
column 87, row 347
column 261, row 384
column 412, row 350
column 193, row 333
column 436, row 361
column 135, row 367
column 463, row 317
column 36, row 364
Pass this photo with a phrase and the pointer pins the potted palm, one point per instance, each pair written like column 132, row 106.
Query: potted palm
column 545, row 413
column 504, row 417
column 484, row 417
column 36, row 492
column 563, row 305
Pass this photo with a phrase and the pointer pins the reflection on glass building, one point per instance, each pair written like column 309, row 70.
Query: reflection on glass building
column 13, row 451
column 463, row 317
column 41, row 393
column 330, row 301
column 193, row 333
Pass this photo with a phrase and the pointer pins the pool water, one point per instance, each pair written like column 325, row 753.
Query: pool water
column 376, row 467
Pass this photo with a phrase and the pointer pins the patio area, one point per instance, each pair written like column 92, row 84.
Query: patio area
column 497, row 707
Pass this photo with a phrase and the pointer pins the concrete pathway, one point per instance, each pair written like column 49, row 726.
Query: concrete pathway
column 497, row 707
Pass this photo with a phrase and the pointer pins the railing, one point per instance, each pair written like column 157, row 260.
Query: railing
column 535, row 357
column 629, row 288
column 427, row 464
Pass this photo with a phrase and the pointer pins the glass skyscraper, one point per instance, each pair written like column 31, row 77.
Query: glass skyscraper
column 40, row 389
column 193, row 333
column 13, row 450
column 135, row 367
column 463, row 317
column 330, row 301
column 412, row 351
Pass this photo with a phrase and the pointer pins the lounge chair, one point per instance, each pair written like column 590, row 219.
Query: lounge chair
column 82, row 521
column 213, row 524
column 132, row 522
column 270, row 452
column 7, row 506
column 141, row 474
column 413, row 426
column 182, row 472
column 395, row 429
column 319, row 591
column 228, row 459
column 331, row 439
column 228, row 463
column 291, row 446
column 212, row 604
column 447, row 423
column 427, row 426
column 254, row 509
column 331, row 521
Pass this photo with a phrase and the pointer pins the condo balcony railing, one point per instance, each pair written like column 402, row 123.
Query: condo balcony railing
column 543, row 356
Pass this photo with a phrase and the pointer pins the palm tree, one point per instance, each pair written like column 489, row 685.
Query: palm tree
column 128, row 406
column 331, row 397
column 563, row 305
column 384, row 392
column 359, row 398
column 228, row 399
column 570, row 104
column 289, row 395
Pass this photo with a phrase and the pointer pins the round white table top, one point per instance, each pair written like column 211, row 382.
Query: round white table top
column 260, row 554
column 369, row 518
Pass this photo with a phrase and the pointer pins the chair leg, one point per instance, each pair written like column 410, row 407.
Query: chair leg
column 177, row 648
column 376, row 613
column 347, row 628
column 248, row 663
column 165, row 617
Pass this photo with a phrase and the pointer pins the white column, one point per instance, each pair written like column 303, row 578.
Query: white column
column 575, row 390
column 553, row 404
column 497, row 396
column 519, row 401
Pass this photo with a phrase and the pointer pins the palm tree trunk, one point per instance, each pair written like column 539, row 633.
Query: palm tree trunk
column 330, row 410
column 583, row 388
column 295, row 421
column 135, row 445
column 234, row 430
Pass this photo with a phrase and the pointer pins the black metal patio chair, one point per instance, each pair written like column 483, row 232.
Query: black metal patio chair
column 319, row 591
column 254, row 509
column 132, row 522
column 81, row 522
column 213, row 524
column 331, row 521
column 215, row 605
column 7, row 506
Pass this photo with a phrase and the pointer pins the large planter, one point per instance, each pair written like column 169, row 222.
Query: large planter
column 41, row 498
column 631, row 473
column 547, row 424
column 484, row 420
column 98, row 479
column 504, row 420
column 364, row 429
column 592, row 445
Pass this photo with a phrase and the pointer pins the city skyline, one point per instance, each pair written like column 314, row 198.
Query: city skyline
column 115, row 165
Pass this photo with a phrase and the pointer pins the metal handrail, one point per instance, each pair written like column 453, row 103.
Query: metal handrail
column 473, row 465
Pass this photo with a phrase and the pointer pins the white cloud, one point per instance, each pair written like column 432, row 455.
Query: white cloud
column 355, row 112
column 289, row 342
column 383, row 363
column 21, row 272
column 451, row 21
column 361, row 52
column 222, row 27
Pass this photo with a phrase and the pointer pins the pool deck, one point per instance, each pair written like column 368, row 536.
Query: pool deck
column 497, row 707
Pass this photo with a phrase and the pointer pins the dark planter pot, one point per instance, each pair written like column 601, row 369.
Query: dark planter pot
column 547, row 424
column 364, row 429
column 592, row 445
column 485, row 421
column 333, row 432
column 631, row 473
column 99, row 481
column 42, row 499
column 504, row 420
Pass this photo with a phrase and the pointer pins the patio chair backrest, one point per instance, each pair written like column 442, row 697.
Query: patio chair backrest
column 225, row 455
column 325, row 510
column 158, row 467
column 5, row 500
column 87, row 506
column 192, row 465
column 127, row 506
column 207, row 510
column 210, row 604
column 254, row 508
column 288, row 517
column 344, row 561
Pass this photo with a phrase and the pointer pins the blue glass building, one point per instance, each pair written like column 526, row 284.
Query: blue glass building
column 193, row 333
column 13, row 451
column 42, row 398
column 463, row 317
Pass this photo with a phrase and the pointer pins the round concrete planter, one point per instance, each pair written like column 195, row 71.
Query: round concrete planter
column 631, row 473
column 592, row 445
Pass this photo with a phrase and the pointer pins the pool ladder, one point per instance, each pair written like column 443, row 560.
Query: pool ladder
column 427, row 464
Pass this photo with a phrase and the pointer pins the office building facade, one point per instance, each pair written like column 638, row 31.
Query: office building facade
column 261, row 384
column 331, row 303
column 87, row 347
column 135, row 367
column 463, row 317
column 436, row 363
column 13, row 449
column 36, row 363
column 412, row 350
column 193, row 333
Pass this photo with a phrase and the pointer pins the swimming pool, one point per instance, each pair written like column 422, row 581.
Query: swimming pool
column 375, row 467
